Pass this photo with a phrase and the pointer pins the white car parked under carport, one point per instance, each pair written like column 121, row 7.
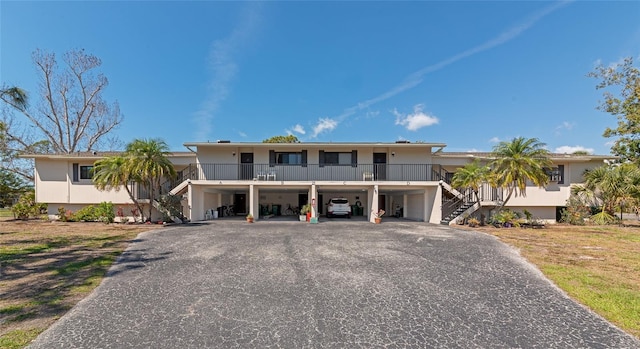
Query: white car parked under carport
column 338, row 207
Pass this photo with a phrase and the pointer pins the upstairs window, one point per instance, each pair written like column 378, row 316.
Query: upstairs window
column 298, row 158
column 86, row 172
column 336, row 158
column 289, row 158
column 331, row 158
column 75, row 172
column 556, row 174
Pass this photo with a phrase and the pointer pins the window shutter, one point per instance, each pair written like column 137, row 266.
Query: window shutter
column 561, row 171
column 304, row 158
column 76, row 171
column 354, row 158
column 321, row 158
column 272, row 158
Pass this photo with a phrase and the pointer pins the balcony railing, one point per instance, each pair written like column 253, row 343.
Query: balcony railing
column 314, row 172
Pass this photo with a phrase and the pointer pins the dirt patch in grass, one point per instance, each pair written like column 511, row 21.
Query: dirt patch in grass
column 47, row 267
column 599, row 266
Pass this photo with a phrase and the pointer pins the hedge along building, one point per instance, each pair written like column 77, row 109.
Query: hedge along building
column 259, row 178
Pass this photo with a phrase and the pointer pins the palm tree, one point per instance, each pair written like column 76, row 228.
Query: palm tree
column 112, row 173
column 15, row 96
column 472, row 175
column 149, row 162
column 519, row 161
column 614, row 185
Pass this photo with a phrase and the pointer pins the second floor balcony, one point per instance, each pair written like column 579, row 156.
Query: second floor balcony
column 313, row 172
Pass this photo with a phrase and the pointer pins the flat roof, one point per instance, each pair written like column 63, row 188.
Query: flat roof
column 323, row 144
column 554, row 156
column 96, row 155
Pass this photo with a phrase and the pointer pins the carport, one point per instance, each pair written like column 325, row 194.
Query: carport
column 418, row 201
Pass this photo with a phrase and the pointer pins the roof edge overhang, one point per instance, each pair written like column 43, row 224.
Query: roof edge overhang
column 95, row 155
column 552, row 156
column 314, row 144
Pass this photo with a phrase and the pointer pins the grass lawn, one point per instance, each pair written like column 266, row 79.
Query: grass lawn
column 6, row 213
column 46, row 268
column 599, row 266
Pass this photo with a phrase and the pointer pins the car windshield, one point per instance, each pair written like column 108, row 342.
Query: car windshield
column 339, row 201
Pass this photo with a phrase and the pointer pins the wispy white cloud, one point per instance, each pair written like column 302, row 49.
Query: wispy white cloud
column 495, row 140
column 372, row 113
column 223, row 68
column 242, row 134
column 415, row 121
column 324, row 125
column 416, row 77
column 567, row 149
column 564, row 126
column 299, row 129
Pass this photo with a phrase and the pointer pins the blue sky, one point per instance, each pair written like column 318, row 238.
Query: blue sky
column 468, row 74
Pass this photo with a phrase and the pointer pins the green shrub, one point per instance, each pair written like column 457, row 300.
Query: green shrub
column 603, row 218
column 105, row 213
column 576, row 212
column 85, row 214
column 64, row 215
column 506, row 218
column 28, row 207
column 101, row 213
column 21, row 211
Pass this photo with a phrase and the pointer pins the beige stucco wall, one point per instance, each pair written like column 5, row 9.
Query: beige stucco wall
column 54, row 185
column 551, row 195
column 52, row 181
column 225, row 155
column 554, row 194
column 416, row 207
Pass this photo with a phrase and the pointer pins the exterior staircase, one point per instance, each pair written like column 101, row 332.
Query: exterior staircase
column 459, row 211
column 455, row 203
column 174, row 216
column 180, row 188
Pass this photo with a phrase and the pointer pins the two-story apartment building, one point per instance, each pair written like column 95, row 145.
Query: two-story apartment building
column 407, row 179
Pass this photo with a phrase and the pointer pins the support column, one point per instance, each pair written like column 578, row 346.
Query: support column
column 314, row 200
column 405, row 201
column 189, row 201
column 426, row 210
column 373, row 199
column 196, row 203
column 219, row 198
column 252, row 204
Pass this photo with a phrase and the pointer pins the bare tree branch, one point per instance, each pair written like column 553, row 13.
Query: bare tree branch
column 70, row 114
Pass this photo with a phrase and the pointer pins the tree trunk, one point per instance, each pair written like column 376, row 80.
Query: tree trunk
column 150, row 185
column 504, row 202
column 135, row 202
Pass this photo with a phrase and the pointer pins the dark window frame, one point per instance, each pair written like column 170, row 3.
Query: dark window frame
column 332, row 158
column 282, row 156
column 556, row 174
column 86, row 172
column 275, row 158
column 75, row 172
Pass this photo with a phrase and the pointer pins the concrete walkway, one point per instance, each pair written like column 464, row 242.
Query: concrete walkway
column 338, row 284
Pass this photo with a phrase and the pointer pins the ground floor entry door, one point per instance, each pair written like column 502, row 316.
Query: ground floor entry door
column 303, row 199
column 382, row 201
column 240, row 203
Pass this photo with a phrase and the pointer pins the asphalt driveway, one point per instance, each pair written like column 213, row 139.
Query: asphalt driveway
column 338, row 284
